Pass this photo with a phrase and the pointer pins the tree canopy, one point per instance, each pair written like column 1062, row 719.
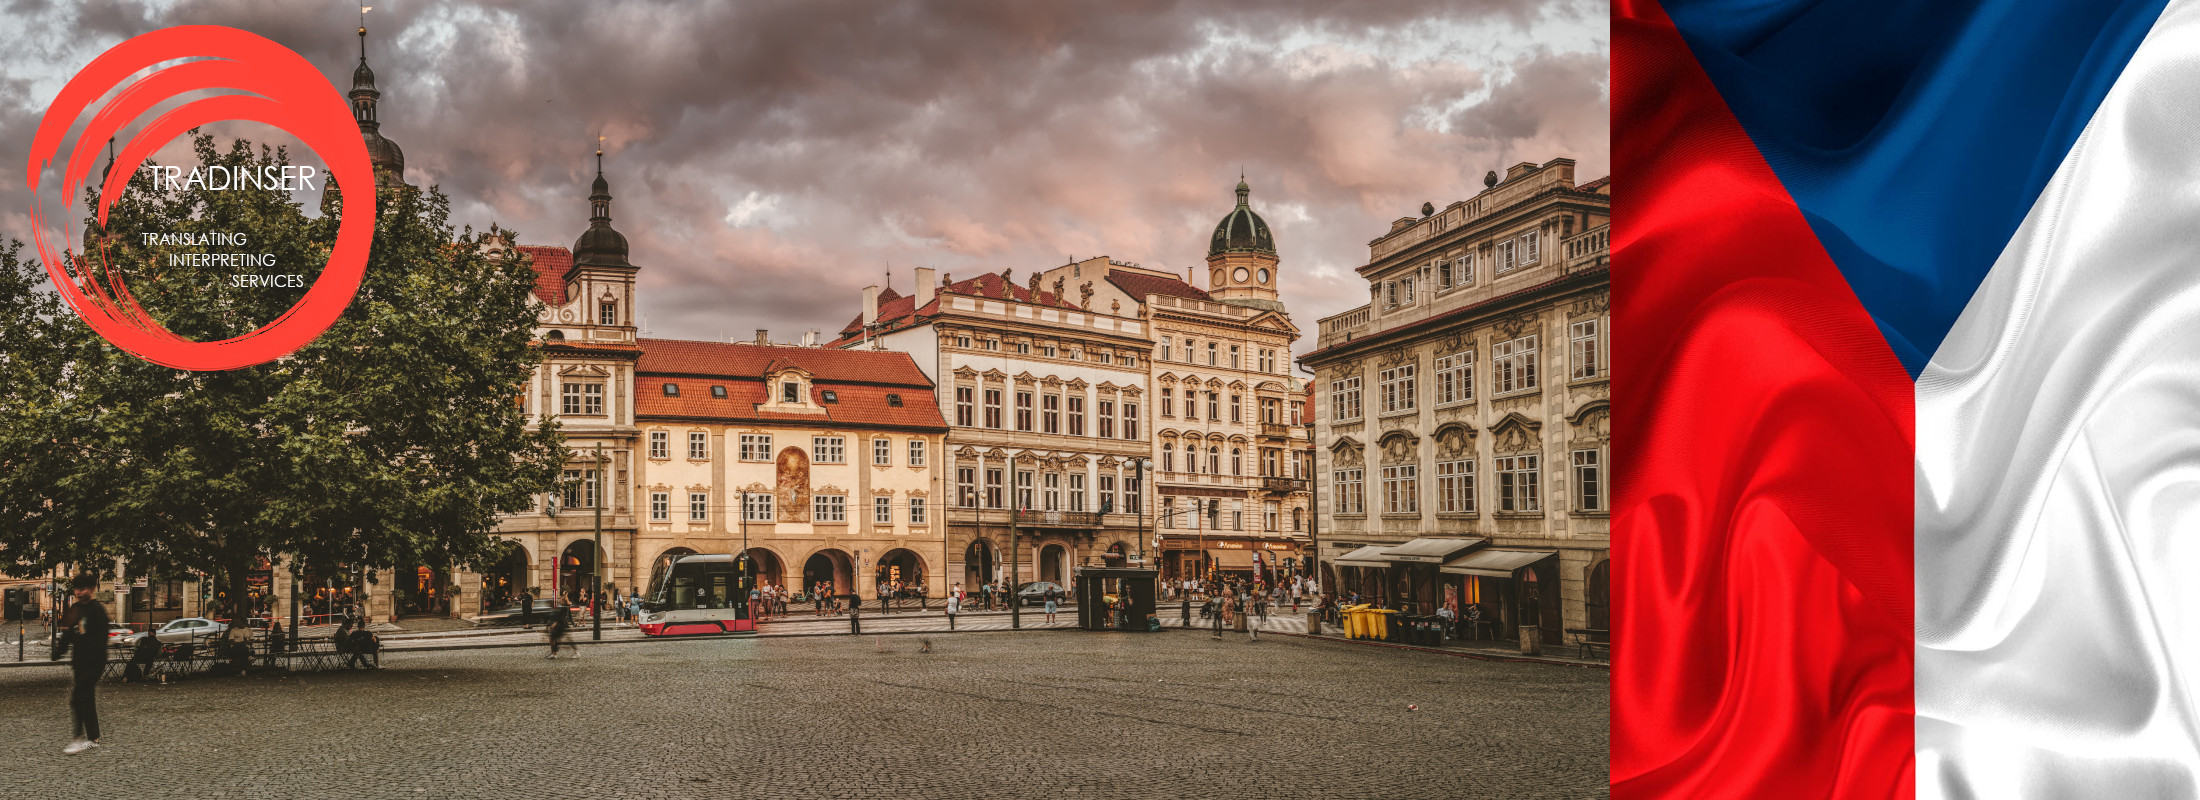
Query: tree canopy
column 394, row 437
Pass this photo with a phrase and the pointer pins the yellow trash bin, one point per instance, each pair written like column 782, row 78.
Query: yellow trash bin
column 1355, row 621
column 1378, row 623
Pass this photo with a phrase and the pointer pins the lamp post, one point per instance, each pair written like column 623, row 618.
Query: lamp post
column 595, row 565
column 1015, row 527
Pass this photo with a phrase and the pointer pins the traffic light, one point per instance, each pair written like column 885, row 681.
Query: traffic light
column 1214, row 515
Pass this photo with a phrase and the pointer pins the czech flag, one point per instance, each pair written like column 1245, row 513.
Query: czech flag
column 1909, row 399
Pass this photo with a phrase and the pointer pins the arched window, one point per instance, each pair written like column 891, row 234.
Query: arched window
column 1237, row 461
column 1168, row 459
column 1214, row 460
column 1191, row 458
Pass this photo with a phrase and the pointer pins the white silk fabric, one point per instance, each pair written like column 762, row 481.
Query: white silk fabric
column 2058, row 473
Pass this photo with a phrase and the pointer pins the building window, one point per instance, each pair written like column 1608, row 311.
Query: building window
column 1390, row 294
column 1076, row 416
column 1107, row 494
column 1191, row 458
column 1168, row 458
column 966, row 487
column 790, row 392
column 1237, row 410
column 1588, row 481
column 993, row 488
column 1168, row 402
column 1048, row 351
column 1234, row 356
column 1351, row 497
column 1237, row 461
column 1164, row 348
column 1272, row 516
column 1585, row 357
column 1444, row 275
column 1512, row 364
column 1134, row 494
column 828, row 449
column 1191, row 404
column 916, row 452
column 962, row 341
column 1531, row 250
column 1023, row 489
column 1454, row 487
column 1212, row 350
column 916, row 511
column 882, row 452
column 672, row 390
column 698, row 445
column 1023, row 348
column 1168, row 512
column 1298, row 519
column 1268, row 360
column 1050, row 414
column 1107, row 419
column 1268, row 464
column 1214, row 406
column 1130, row 420
column 992, row 344
column 1507, row 258
column 1344, row 398
column 660, row 444
column 698, row 506
column 756, row 447
column 965, row 409
column 829, row 396
column 1023, row 411
column 719, row 393
column 1077, row 491
column 1052, row 497
column 1401, row 489
column 1214, row 459
column 993, row 408
column 1398, row 387
column 882, row 510
column 757, row 506
column 660, row 506
column 607, row 314
column 1517, row 484
column 1237, row 518
column 581, row 399
column 1455, row 378
column 829, row 508
column 892, row 400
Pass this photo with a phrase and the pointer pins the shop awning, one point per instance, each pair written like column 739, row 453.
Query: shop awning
column 1430, row 551
column 1495, row 562
column 1233, row 559
column 1369, row 556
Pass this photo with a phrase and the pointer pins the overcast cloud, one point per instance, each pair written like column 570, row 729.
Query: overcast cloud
column 770, row 159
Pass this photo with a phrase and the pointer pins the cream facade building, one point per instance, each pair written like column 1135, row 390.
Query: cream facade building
column 1047, row 406
column 823, row 463
column 1464, row 434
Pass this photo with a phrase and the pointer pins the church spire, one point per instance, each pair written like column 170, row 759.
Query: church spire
column 366, row 99
column 601, row 244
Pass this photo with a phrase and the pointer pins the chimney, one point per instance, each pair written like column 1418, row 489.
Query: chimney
column 925, row 289
column 870, row 305
column 809, row 338
column 763, row 336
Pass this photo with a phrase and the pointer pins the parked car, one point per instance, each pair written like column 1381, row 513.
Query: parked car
column 1035, row 593
column 187, row 629
column 509, row 615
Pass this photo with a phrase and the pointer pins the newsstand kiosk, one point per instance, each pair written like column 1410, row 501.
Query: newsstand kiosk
column 1097, row 587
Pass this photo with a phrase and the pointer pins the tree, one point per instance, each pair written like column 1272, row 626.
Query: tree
column 394, row 437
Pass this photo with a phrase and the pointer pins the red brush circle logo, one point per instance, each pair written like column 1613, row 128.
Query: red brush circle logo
column 285, row 91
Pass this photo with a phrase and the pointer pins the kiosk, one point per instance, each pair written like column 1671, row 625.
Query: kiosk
column 1097, row 587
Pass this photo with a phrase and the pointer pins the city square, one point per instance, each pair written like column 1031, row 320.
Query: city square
column 1045, row 713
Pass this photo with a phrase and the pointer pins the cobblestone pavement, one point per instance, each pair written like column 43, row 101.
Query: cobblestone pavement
column 1043, row 714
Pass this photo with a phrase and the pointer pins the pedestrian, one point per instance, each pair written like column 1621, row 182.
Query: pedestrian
column 1218, row 603
column 86, row 624
column 560, row 622
column 364, row 645
column 1051, row 598
column 954, row 606
column 527, row 610
column 142, row 656
column 1252, row 626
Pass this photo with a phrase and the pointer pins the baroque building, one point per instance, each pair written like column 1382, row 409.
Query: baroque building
column 1463, row 432
column 1046, row 402
column 1231, row 491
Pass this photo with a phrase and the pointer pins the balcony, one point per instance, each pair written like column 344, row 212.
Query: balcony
column 1343, row 327
column 1283, row 485
column 1060, row 519
column 1277, row 430
column 1589, row 249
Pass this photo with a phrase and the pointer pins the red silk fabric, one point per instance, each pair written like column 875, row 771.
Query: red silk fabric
column 1764, row 432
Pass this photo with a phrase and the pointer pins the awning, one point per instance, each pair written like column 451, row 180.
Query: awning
column 1233, row 559
column 1430, row 551
column 1495, row 562
column 1369, row 556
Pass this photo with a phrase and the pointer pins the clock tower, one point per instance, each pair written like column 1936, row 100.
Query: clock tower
column 1241, row 259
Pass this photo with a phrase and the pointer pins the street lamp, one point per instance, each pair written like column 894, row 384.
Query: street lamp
column 595, row 564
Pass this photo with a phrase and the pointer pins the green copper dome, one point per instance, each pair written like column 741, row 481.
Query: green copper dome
column 1242, row 230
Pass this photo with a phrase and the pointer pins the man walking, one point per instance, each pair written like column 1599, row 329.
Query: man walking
column 561, row 621
column 1052, row 596
column 85, row 624
column 954, row 606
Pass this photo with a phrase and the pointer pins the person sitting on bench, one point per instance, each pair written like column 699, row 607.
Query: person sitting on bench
column 142, row 656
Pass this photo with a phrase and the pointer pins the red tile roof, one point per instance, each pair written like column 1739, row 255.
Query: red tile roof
column 859, row 379
column 990, row 284
column 551, row 264
column 1138, row 285
column 1595, row 184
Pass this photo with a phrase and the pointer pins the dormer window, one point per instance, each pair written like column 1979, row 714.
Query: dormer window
column 607, row 313
column 554, row 336
column 1023, row 348
column 672, row 390
column 830, row 397
column 893, row 400
column 790, row 392
column 718, row 392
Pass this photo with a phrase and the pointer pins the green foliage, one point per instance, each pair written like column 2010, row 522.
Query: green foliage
column 392, row 438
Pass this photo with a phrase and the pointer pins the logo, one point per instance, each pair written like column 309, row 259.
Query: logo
column 280, row 89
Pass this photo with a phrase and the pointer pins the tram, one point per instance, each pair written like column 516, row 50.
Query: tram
column 697, row 594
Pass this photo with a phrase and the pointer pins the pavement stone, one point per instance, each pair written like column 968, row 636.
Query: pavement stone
column 1042, row 714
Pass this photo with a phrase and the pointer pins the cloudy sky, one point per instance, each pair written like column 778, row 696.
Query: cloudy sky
column 771, row 159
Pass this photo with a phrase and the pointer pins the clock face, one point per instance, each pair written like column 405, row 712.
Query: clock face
column 1218, row 277
column 1264, row 277
column 1241, row 275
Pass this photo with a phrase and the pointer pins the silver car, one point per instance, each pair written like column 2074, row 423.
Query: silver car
column 188, row 629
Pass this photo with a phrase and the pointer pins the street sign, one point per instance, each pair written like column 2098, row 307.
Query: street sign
column 143, row 582
column 122, row 588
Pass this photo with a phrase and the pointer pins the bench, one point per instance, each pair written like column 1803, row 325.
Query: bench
column 1585, row 641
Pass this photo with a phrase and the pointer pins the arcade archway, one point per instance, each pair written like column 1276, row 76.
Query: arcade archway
column 770, row 571
column 902, row 571
column 1054, row 564
column 575, row 567
column 832, row 567
column 979, row 561
column 502, row 582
